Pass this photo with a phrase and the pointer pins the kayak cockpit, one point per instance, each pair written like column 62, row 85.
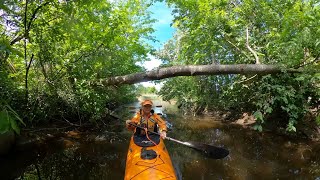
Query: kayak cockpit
column 144, row 141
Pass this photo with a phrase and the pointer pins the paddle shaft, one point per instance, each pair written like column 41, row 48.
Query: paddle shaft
column 168, row 138
column 211, row 151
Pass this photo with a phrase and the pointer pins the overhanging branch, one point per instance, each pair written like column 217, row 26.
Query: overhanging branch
column 193, row 70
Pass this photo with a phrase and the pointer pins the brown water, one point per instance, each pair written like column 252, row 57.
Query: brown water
column 101, row 155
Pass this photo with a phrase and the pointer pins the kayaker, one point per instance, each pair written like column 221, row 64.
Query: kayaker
column 146, row 118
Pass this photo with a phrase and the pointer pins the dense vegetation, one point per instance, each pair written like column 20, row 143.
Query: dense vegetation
column 50, row 50
column 146, row 90
column 275, row 32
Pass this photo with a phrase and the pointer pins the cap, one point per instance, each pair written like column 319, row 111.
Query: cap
column 147, row 102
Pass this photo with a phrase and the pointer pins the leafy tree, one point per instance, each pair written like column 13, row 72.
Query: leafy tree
column 146, row 90
column 242, row 32
column 51, row 50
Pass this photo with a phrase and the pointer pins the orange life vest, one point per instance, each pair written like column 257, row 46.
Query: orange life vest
column 151, row 122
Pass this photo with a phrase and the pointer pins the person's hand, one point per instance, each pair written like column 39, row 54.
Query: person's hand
column 163, row 134
column 129, row 123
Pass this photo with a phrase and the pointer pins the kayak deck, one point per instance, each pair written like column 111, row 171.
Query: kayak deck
column 152, row 162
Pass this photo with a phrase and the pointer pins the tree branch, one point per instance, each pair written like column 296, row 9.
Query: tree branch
column 251, row 50
column 315, row 60
column 26, row 78
column 237, row 48
column 192, row 70
column 28, row 27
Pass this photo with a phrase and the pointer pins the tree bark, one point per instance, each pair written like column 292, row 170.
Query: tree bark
column 193, row 70
column 26, row 78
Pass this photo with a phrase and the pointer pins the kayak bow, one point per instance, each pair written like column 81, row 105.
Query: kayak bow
column 145, row 160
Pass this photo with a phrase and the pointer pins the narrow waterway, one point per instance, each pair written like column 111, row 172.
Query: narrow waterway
column 102, row 155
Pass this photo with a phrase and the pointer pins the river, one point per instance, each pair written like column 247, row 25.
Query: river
column 102, row 154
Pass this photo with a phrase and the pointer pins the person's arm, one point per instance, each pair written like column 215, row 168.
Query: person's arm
column 163, row 127
column 134, row 120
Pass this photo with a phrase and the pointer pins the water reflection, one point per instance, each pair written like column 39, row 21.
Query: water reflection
column 83, row 158
column 253, row 155
column 89, row 161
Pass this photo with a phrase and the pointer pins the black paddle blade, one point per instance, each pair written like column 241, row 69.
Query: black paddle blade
column 209, row 150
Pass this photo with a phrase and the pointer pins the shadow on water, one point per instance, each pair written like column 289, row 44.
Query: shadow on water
column 102, row 155
column 89, row 156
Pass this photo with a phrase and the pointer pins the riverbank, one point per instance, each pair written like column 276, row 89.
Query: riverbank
column 306, row 128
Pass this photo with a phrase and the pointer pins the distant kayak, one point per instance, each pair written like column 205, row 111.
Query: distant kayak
column 147, row 161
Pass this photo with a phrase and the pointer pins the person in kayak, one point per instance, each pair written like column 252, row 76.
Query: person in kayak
column 146, row 118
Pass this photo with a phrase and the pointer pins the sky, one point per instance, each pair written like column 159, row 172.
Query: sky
column 163, row 32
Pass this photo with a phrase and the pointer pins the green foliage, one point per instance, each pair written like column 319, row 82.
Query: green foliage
column 318, row 120
column 72, row 43
column 76, row 42
column 9, row 119
column 257, row 127
column 192, row 93
column 214, row 32
column 146, row 90
column 287, row 95
column 5, row 121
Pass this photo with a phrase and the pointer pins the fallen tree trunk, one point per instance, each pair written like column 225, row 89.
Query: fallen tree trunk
column 194, row 70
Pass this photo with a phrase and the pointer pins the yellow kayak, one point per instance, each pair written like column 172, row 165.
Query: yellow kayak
column 146, row 161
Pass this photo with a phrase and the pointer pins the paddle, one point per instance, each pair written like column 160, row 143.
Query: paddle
column 209, row 150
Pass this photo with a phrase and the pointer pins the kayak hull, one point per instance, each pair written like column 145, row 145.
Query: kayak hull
column 155, row 165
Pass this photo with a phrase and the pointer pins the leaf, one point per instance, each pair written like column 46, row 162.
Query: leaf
column 317, row 42
column 318, row 120
column 258, row 115
column 300, row 78
column 257, row 127
column 269, row 110
column 16, row 51
column 291, row 128
column 15, row 114
column 259, row 104
column 2, row 6
column 14, row 126
column 4, row 121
